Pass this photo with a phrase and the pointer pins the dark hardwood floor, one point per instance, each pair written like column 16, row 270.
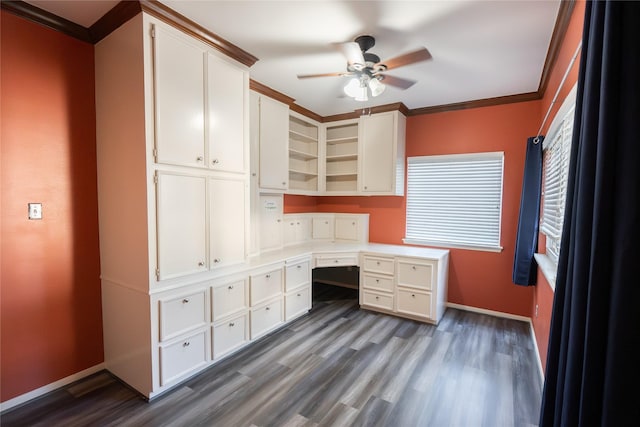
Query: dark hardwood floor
column 338, row 366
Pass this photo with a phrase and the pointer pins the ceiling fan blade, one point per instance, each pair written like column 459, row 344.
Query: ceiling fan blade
column 351, row 51
column 406, row 59
column 397, row 82
column 307, row 76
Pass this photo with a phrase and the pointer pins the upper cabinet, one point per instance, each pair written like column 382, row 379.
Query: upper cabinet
column 270, row 125
column 303, row 154
column 381, row 149
column 341, row 157
column 200, row 103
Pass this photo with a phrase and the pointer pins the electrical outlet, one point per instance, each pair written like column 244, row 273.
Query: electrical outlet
column 536, row 310
column 35, row 210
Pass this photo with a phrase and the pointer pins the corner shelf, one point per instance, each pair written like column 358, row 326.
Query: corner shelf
column 341, row 157
column 303, row 154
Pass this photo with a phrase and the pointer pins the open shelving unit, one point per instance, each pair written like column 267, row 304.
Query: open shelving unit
column 341, row 169
column 303, row 155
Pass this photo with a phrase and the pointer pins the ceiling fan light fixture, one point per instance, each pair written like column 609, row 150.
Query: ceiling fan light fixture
column 376, row 87
column 356, row 90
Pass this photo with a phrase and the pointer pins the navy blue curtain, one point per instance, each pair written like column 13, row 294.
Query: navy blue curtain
column 524, row 266
column 593, row 368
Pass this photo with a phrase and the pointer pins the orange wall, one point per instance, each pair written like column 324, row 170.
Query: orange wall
column 543, row 296
column 51, row 320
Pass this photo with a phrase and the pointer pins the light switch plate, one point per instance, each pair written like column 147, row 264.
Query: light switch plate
column 35, row 210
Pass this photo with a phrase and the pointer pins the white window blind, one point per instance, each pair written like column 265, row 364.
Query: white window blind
column 556, row 169
column 455, row 200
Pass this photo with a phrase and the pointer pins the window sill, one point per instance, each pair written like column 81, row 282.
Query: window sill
column 409, row 241
column 548, row 268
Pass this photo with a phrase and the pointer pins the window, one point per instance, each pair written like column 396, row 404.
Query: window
column 455, row 200
column 556, row 170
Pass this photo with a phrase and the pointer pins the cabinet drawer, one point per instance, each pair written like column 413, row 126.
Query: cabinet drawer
column 377, row 300
column 182, row 357
column 416, row 274
column 414, row 303
column 265, row 286
column 180, row 314
column 229, row 299
column 381, row 283
column 266, row 318
column 336, row 260
column 376, row 264
column 230, row 335
column 296, row 275
column 297, row 303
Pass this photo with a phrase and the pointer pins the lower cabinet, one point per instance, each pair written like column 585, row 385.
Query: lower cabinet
column 266, row 317
column 412, row 287
column 230, row 334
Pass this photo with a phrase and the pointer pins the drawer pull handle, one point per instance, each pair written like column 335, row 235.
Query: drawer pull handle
column 230, row 287
column 413, row 266
column 267, row 308
column 298, row 266
column 185, row 301
column 298, row 295
column 231, row 325
column 377, row 280
column 377, row 298
column 413, row 295
column 335, row 260
column 377, row 262
column 186, row 344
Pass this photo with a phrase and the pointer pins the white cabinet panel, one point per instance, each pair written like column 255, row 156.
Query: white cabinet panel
column 230, row 335
column 179, row 99
column 297, row 303
column 297, row 275
column 297, row 229
column 377, row 300
column 182, row 357
column 322, row 227
column 414, row 303
column 181, row 217
column 227, row 198
column 347, row 228
column 229, row 298
column 266, row 318
column 182, row 313
column 265, row 286
column 416, row 273
column 226, row 97
column 274, row 144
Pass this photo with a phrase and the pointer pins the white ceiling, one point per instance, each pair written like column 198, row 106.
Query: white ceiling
column 481, row 49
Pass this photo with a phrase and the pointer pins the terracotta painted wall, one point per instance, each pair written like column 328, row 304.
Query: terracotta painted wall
column 543, row 296
column 51, row 319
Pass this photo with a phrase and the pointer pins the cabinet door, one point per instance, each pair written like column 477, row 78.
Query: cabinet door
column 227, row 226
column 181, row 219
column 346, row 228
column 377, row 155
column 179, row 99
column 226, row 98
column 274, row 144
column 322, row 228
column 270, row 207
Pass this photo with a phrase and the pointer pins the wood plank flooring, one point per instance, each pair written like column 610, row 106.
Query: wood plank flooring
column 338, row 366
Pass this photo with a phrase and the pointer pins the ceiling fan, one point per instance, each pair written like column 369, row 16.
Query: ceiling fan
column 367, row 69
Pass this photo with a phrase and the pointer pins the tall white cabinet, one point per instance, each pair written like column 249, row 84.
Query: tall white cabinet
column 173, row 192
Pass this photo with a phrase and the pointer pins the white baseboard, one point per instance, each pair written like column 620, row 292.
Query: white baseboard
column 23, row 398
column 507, row 316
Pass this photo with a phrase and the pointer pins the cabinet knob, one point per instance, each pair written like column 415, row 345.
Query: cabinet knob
column 377, row 262
column 353, row 223
column 326, row 222
column 216, row 260
column 365, row 187
column 231, row 325
column 377, row 280
column 185, row 301
column 215, row 161
column 298, row 295
column 335, row 260
column 201, row 264
column 199, row 158
column 230, row 287
column 413, row 295
column 297, row 223
column 377, row 298
column 268, row 276
column 298, row 266
column 267, row 308
column 186, row 344
column 284, row 183
column 413, row 267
